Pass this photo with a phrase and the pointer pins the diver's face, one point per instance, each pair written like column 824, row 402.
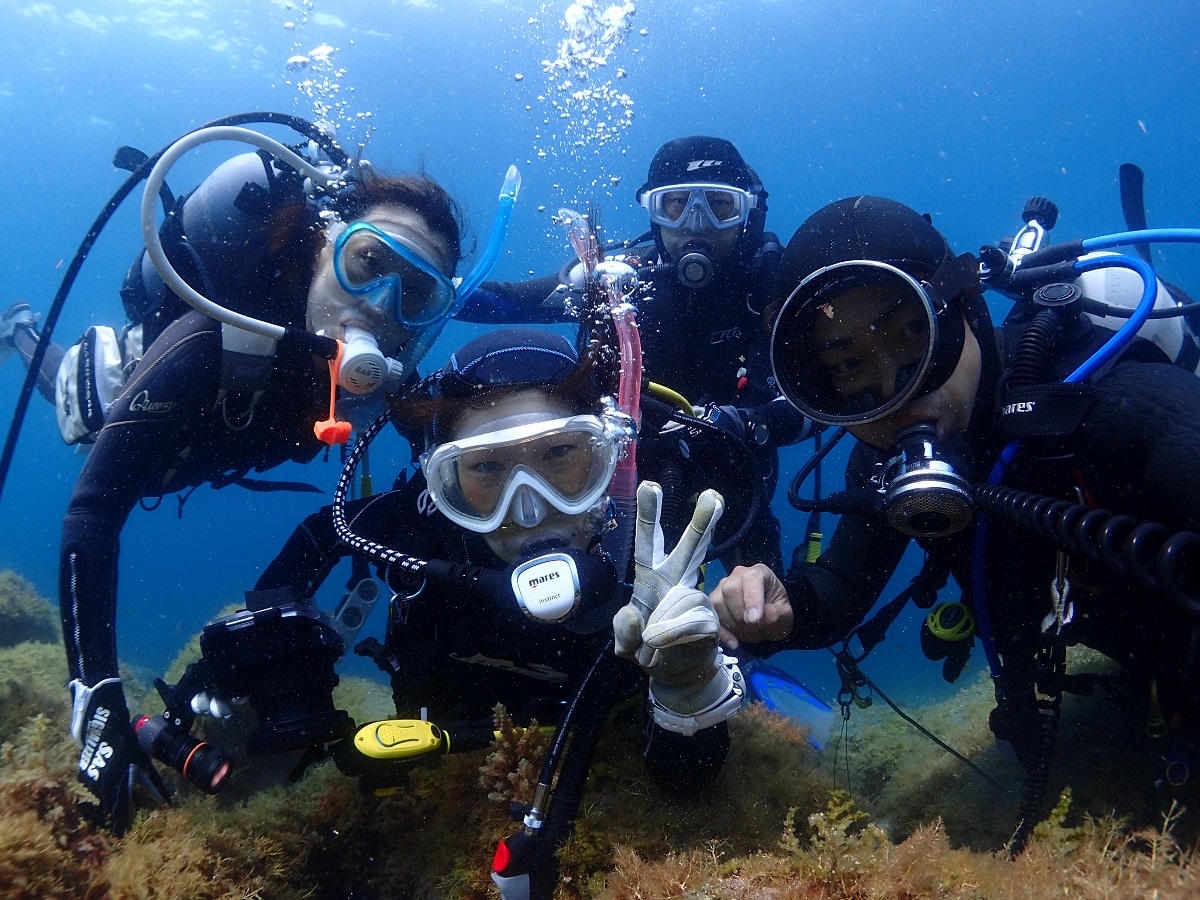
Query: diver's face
column 331, row 310
column 871, row 342
column 693, row 231
column 481, row 484
column 949, row 407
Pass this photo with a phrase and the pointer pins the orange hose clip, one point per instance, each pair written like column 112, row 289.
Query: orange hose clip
column 331, row 431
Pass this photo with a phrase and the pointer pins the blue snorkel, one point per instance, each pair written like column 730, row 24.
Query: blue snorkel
column 415, row 350
column 1059, row 259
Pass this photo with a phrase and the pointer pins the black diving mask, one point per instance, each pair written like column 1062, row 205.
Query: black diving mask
column 856, row 341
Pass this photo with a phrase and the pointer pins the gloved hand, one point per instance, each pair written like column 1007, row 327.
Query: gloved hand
column 670, row 628
column 111, row 761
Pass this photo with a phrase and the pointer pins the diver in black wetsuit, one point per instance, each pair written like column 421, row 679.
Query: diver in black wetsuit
column 522, row 445
column 708, row 268
column 884, row 331
column 184, row 419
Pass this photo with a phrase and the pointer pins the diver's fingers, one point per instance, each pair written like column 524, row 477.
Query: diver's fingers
column 648, row 539
column 684, row 562
column 752, row 605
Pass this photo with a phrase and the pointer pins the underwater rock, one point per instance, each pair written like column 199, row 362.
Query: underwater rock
column 25, row 615
column 770, row 826
column 33, row 679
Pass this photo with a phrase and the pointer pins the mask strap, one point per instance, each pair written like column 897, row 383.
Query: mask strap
column 953, row 279
column 945, row 288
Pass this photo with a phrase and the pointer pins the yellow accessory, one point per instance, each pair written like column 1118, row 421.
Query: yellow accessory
column 400, row 739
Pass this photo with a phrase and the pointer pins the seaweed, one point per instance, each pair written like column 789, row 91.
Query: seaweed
column 773, row 825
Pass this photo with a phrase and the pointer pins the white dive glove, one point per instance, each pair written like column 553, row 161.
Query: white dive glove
column 670, row 628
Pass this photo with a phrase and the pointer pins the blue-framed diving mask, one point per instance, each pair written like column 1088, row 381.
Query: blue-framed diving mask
column 698, row 207
column 393, row 274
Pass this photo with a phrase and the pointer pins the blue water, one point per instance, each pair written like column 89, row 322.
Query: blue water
column 962, row 109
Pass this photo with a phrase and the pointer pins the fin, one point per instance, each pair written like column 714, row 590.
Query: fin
column 1133, row 203
column 780, row 692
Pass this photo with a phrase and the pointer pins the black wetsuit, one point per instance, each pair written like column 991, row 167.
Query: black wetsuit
column 708, row 344
column 172, row 430
column 457, row 657
column 1133, row 453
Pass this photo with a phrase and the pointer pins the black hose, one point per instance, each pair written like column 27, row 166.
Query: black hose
column 670, row 479
column 302, row 126
column 1143, row 552
column 570, row 754
column 1037, row 774
column 1033, row 350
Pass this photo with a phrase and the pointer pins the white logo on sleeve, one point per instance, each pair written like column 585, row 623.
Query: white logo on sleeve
column 96, row 751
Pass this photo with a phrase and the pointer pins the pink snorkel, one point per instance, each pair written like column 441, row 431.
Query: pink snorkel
column 617, row 281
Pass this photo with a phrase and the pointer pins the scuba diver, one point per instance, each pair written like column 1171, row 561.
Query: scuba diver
column 348, row 267
column 707, row 269
column 502, row 590
column 522, row 443
column 1067, row 449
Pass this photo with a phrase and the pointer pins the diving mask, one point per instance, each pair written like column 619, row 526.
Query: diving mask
column 522, row 470
column 698, row 207
column 393, row 274
column 856, row 341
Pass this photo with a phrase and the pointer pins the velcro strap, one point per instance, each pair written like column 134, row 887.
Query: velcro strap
column 1045, row 410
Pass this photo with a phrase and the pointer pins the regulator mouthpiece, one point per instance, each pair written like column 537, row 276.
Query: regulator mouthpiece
column 364, row 367
column 923, row 495
column 694, row 270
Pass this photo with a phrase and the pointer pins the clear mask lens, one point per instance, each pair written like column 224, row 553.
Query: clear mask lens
column 698, row 207
column 854, row 342
column 481, row 481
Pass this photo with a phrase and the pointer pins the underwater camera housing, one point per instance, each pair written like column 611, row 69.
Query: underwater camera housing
column 282, row 658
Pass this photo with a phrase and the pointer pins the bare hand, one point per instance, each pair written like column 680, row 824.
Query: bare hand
column 752, row 605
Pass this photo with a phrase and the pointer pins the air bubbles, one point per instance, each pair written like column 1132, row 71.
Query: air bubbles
column 581, row 79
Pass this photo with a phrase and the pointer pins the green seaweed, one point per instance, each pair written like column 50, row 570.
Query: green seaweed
column 434, row 837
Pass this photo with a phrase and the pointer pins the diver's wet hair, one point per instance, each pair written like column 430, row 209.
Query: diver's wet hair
column 297, row 233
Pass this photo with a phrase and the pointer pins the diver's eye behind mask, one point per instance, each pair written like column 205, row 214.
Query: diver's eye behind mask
column 564, row 463
column 858, row 340
column 698, row 207
column 392, row 274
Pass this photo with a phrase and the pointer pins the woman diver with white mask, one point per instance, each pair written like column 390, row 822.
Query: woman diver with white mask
column 522, row 442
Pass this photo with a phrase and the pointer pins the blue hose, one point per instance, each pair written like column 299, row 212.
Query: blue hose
column 423, row 340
